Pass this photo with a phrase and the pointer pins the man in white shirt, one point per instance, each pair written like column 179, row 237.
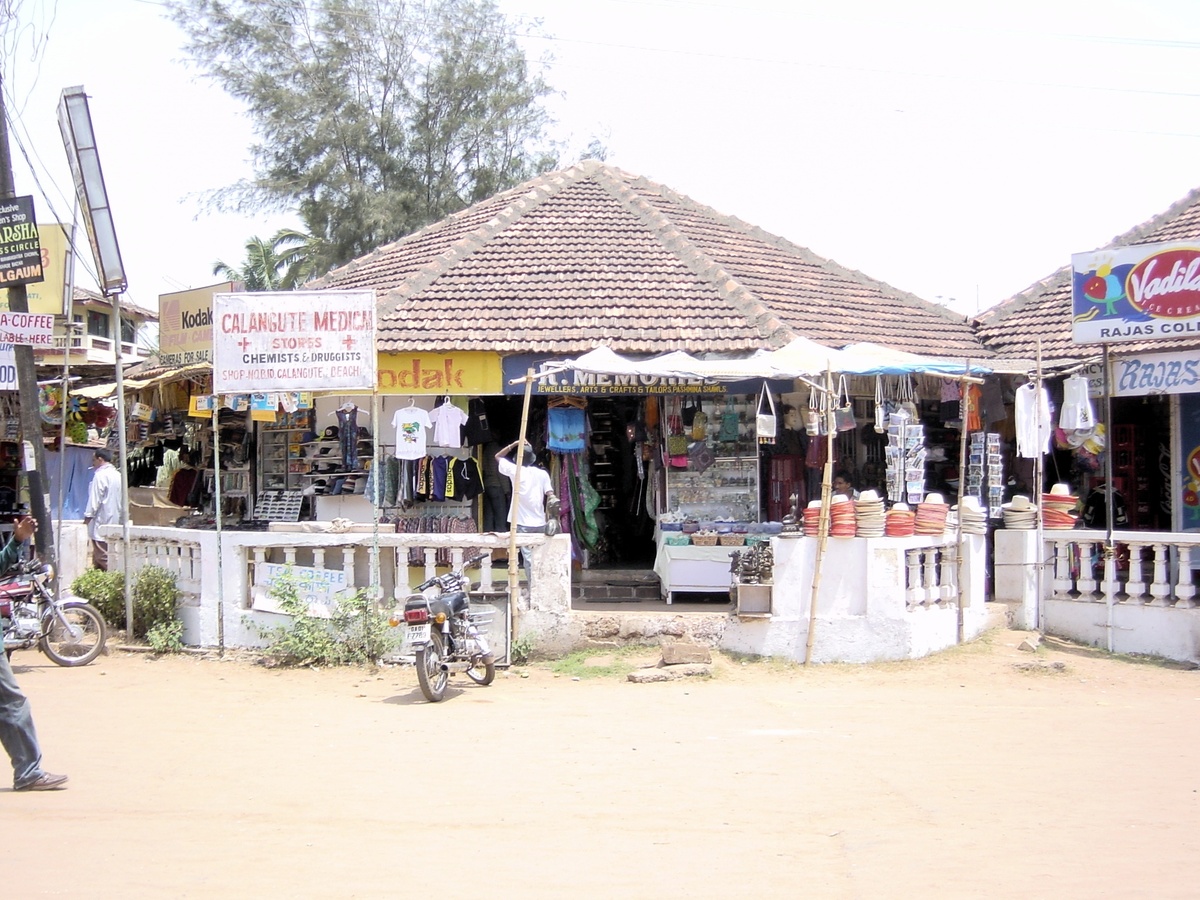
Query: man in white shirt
column 103, row 506
column 528, row 512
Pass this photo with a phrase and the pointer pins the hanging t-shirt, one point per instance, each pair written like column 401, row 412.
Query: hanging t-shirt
column 410, row 424
column 448, row 421
column 1034, row 425
column 1077, row 410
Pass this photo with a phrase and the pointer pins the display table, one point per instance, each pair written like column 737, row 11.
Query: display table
column 691, row 568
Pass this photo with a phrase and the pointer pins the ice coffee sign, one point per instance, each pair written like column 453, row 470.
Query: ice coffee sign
column 294, row 341
column 20, row 249
column 1138, row 293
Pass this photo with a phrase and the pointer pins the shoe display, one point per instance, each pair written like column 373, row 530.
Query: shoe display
column 44, row 782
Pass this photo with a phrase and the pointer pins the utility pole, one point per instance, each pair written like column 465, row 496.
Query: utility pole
column 31, row 424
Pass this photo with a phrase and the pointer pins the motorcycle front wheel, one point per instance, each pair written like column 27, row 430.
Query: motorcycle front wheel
column 481, row 671
column 429, row 668
column 84, row 645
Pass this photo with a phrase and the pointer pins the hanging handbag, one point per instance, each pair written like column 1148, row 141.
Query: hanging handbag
column 688, row 413
column 908, row 399
column 700, row 424
column 812, row 416
column 701, row 456
column 880, row 409
column 764, row 422
column 729, row 426
column 843, row 413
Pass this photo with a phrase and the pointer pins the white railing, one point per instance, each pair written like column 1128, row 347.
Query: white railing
column 178, row 556
column 931, row 575
column 93, row 343
column 1144, row 568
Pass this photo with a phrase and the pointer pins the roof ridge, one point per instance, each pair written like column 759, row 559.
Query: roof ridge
column 1171, row 212
column 527, row 196
column 782, row 243
column 760, row 316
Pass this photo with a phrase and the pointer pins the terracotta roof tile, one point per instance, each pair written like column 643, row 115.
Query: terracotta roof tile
column 594, row 255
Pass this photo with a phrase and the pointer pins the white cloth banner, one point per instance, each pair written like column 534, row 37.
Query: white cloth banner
column 294, row 341
column 35, row 329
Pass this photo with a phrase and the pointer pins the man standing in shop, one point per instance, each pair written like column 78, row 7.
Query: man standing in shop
column 103, row 506
column 528, row 514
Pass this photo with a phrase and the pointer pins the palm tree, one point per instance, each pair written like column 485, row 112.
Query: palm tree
column 283, row 263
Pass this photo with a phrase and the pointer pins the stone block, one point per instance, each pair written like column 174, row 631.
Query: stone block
column 676, row 653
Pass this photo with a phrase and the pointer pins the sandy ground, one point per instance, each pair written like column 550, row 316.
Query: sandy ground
column 962, row 775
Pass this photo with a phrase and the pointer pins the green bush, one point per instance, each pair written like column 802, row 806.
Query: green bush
column 105, row 591
column 356, row 634
column 155, row 597
column 166, row 637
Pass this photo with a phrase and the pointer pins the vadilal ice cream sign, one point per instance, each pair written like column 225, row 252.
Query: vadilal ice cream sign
column 1141, row 292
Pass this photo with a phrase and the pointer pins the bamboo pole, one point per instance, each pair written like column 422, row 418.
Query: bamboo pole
column 1039, row 556
column 1110, row 560
column 826, row 503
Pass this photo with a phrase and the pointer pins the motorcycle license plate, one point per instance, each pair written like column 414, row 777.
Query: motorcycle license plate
column 417, row 634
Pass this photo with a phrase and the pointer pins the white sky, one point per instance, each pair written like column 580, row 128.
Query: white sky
column 955, row 150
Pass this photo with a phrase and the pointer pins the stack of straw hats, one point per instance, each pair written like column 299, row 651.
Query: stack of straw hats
column 870, row 514
column 931, row 515
column 1021, row 513
column 812, row 518
column 842, row 520
column 972, row 518
column 1057, row 508
column 901, row 521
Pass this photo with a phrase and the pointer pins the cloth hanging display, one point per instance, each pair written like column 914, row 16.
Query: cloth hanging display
column 1033, row 423
column 448, row 421
column 410, row 424
column 567, row 427
column 765, row 425
column 347, row 416
column 477, row 430
column 1077, row 413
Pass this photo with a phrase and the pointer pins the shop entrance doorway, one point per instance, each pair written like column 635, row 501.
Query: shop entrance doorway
column 620, row 474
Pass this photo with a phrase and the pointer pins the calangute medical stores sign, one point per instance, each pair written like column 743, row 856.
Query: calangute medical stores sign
column 1137, row 293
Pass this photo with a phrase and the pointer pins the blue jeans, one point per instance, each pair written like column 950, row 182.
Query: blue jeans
column 17, row 733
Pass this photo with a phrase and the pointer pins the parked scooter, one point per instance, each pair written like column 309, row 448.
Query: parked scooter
column 68, row 630
column 445, row 635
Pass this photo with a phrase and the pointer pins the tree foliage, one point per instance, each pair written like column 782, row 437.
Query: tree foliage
column 374, row 117
column 283, row 263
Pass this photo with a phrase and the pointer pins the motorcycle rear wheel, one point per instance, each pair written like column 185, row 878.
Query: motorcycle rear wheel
column 429, row 668
column 60, row 646
column 482, row 672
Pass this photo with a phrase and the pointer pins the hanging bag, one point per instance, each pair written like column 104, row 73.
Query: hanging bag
column 880, row 408
column 688, row 413
column 699, row 424
column 676, row 440
column 764, row 422
column 843, row 413
column 812, row 415
column 908, row 399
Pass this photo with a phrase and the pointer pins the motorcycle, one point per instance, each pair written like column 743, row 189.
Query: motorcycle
column 445, row 635
column 68, row 630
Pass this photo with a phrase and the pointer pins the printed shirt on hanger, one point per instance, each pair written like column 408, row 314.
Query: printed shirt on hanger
column 410, row 424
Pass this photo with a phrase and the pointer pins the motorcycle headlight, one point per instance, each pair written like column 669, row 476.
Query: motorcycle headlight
column 48, row 571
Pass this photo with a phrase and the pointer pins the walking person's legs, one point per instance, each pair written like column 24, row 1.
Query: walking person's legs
column 19, row 737
column 100, row 555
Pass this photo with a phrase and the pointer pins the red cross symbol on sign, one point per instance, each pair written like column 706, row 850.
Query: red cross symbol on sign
column 348, row 340
column 244, row 343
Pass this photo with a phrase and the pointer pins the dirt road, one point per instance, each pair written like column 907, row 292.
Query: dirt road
column 962, row 775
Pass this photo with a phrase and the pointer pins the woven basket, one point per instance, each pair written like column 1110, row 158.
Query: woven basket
column 676, row 540
column 731, row 540
column 704, row 540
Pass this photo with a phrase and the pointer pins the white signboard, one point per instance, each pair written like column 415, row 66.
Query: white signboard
column 1136, row 293
column 293, row 341
column 35, row 329
column 319, row 588
column 1156, row 373
column 8, row 368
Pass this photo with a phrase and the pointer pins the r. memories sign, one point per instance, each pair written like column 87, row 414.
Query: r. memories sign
column 1137, row 293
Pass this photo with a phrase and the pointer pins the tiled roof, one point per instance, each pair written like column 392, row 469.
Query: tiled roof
column 1012, row 328
column 592, row 254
